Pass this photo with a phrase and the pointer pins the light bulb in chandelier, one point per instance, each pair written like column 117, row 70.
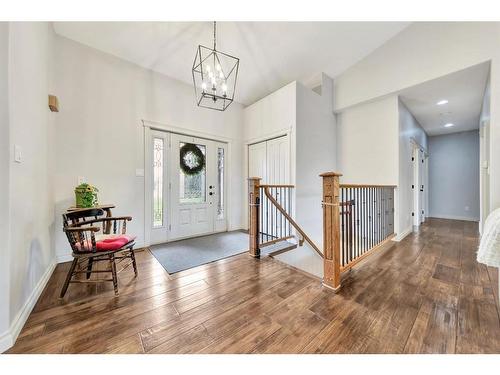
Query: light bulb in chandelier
column 218, row 67
column 203, row 86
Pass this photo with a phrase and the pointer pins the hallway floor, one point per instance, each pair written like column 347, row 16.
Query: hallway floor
column 426, row 294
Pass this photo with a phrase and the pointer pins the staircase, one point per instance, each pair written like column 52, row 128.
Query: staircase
column 357, row 220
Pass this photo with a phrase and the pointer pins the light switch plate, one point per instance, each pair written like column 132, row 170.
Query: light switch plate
column 17, row 154
column 139, row 172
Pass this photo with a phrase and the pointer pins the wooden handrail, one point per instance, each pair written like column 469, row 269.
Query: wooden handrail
column 277, row 186
column 364, row 185
column 292, row 222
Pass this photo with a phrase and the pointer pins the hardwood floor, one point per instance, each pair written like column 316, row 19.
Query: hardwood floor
column 426, row 294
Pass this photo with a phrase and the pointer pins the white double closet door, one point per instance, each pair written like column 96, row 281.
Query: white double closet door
column 186, row 205
column 270, row 160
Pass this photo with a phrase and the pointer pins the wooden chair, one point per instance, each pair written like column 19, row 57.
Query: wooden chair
column 112, row 245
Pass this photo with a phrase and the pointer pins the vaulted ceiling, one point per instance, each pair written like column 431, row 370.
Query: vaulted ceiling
column 271, row 54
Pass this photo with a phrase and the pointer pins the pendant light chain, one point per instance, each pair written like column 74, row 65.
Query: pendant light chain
column 215, row 40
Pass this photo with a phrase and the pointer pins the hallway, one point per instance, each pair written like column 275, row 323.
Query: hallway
column 425, row 294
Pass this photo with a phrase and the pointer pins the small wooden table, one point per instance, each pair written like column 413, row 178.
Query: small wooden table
column 105, row 207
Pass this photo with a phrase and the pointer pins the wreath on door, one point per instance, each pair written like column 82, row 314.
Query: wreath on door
column 192, row 159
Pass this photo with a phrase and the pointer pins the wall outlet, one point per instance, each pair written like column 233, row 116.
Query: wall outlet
column 466, row 208
column 139, row 172
column 18, row 154
column 81, row 180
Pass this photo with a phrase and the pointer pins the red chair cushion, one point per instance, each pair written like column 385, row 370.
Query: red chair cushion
column 115, row 243
column 108, row 243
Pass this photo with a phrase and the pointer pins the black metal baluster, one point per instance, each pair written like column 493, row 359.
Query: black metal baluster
column 347, row 224
column 341, row 226
column 379, row 215
column 356, row 202
column 351, row 223
column 374, row 216
column 375, row 190
column 383, row 213
column 367, row 219
column 260, row 216
column 370, row 220
column 267, row 218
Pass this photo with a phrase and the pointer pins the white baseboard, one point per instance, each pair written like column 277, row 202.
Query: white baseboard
column 9, row 338
column 450, row 217
column 403, row 234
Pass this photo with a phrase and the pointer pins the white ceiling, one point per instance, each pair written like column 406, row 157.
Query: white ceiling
column 464, row 91
column 271, row 54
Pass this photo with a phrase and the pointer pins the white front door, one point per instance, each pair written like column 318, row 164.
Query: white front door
column 187, row 200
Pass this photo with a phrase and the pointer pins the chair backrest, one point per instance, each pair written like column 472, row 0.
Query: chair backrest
column 81, row 216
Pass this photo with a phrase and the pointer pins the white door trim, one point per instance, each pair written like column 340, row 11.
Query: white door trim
column 183, row 131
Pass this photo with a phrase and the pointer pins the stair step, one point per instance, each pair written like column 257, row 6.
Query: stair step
column 278, row 248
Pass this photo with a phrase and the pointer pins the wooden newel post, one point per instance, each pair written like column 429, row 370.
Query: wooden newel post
column 254, row 202
column 331, row 230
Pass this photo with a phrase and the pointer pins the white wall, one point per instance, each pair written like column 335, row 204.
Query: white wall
column 4, row 187
column 99, row 134
column 409, row 129
column 271, row 115
column 367, row 143
column 425, row 51
column 30, row 256
column 315, row 154
column 454, row 176
column 31, row 185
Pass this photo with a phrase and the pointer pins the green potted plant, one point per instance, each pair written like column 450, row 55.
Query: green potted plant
column 86, row 195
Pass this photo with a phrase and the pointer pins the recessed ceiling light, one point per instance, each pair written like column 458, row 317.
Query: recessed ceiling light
column 442, row 102
column 449, row 125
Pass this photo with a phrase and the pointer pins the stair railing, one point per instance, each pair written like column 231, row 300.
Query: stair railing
column 270, row 219
column 357, row 220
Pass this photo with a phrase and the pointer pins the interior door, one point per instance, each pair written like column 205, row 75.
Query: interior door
column 270, row 160
column 422, row 186
column 277, row 163
column 419, row 185
column 257, row 159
